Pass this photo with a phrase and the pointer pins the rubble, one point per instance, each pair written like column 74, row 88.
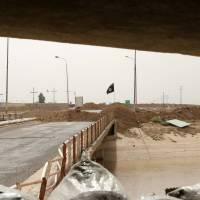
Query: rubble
column 186, row 192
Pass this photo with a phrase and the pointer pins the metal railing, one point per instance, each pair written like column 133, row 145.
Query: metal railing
column 68, row 154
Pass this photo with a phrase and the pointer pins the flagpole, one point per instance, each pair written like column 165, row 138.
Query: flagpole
column 114, row 97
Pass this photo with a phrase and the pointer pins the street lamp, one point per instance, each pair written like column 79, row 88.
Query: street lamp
column 66, row 77
column 135, row 81
column 7, row 63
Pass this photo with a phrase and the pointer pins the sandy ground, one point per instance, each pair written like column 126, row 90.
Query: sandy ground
column 145, row 166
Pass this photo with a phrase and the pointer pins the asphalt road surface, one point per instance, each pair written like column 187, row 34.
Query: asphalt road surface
column 26, row 147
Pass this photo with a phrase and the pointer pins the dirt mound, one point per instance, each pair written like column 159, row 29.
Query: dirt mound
column 125, row 116
column 70, row 115
column 184, row 113
column 93, row 106
column 127, row 119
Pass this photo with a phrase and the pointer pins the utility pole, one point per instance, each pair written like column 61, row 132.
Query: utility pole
column 135, row 81
column 67, row 83
column 181, row 95
column 7, row 62
column 67, row 77
column 163, row 98
column 33, row 93
column 54, row 94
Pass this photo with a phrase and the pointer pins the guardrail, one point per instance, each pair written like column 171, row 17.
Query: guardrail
column 68, row 154
column 10, row 116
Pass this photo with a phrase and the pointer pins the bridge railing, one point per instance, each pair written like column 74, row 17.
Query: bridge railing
column 10, row 116
column 68, row 154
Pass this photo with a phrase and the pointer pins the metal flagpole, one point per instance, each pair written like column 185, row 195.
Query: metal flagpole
column 114, row 96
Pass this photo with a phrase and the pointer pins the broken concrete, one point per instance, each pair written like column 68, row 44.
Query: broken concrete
column 164, row 26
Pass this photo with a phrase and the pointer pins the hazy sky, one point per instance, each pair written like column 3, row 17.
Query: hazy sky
column 92, row 69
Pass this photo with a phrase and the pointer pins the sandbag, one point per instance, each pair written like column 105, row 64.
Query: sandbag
column 88, row 180
column 156, row 197
column 187, row 192
column 7, row 193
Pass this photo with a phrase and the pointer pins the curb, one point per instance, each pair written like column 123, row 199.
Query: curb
column 16, row 121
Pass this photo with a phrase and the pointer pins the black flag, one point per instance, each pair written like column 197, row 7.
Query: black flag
column 110, row 89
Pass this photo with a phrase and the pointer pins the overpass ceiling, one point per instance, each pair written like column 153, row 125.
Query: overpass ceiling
column 152, row 25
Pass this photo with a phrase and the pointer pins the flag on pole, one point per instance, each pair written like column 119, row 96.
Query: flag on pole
column 110, row 89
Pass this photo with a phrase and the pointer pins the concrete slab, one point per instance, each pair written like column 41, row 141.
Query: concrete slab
column 15, row 121
column 25, row 149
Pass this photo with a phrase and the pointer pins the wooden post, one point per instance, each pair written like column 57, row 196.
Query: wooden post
column 82, row 141
column 100, row 126
column 69, row 152
column 95, row 131
column 74, row 149
column 91, row 134
column 87, row 137
column 43, row 188
column 78, row 146
column 63, row 166
column 18, row 186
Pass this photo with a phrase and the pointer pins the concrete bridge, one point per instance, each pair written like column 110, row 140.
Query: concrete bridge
column 54, row 170
column 164, row 26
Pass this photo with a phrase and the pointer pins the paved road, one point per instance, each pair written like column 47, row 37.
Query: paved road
column 25, row 148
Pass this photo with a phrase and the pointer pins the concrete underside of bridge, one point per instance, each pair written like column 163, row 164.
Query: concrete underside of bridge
column 164, row 26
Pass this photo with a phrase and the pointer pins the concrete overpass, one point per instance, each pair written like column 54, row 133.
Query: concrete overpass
column 164, row 26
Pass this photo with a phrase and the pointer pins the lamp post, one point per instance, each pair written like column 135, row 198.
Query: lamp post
column 135, row 81
column 66, row 77
column 7, row 62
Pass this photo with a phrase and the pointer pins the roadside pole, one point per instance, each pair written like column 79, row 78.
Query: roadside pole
column 6, row 108
column 33, row 93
